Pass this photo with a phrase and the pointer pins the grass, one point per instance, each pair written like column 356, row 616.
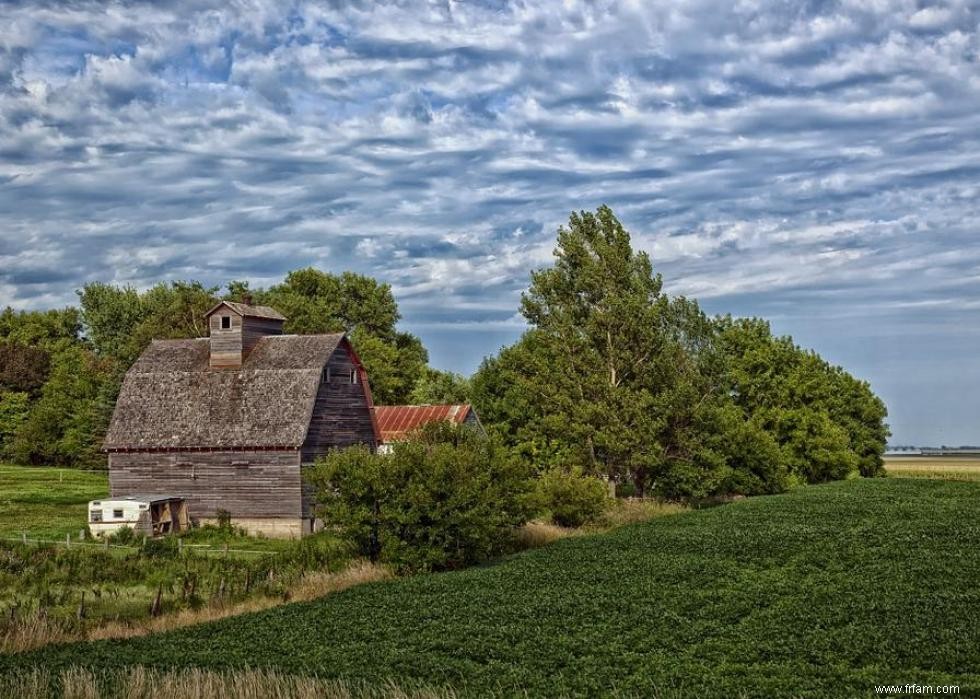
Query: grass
column 821, row 592
column 40, row 629
column 954, row 468
column 47, row 503
column 51, row 594
column 143, row 683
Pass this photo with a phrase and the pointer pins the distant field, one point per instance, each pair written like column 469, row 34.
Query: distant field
column 825, row 591
column 47, row 502
column 957, row 468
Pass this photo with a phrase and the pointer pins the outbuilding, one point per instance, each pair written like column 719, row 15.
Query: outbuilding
column 397, row 423
column 149, row 515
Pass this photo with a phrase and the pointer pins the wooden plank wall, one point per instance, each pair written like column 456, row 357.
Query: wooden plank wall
column 341, row 415
column 254, row 329
column 226, row 345
column 246, row 483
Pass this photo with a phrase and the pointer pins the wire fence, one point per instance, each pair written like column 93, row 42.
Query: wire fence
column 69, row 543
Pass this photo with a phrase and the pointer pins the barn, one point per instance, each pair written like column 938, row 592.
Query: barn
column 396, row 423
column 228, row 421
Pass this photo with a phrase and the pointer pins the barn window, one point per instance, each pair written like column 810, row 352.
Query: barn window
column 117, row 514
column 326, row 374
column 225, row 322
column 353, row 375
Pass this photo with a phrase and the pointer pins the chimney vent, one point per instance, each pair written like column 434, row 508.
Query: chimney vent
column 247, row 299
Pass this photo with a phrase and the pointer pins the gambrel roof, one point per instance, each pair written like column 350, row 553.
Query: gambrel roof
column 171, row 399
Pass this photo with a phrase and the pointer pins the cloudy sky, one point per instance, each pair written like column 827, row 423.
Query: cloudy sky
column 817, row 163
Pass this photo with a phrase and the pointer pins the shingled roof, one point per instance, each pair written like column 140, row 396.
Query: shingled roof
column 248, row 311
column 396, row 422
column 171, row 399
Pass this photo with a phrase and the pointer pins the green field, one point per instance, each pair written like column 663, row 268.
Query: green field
column 47, row 503
column 821, row 592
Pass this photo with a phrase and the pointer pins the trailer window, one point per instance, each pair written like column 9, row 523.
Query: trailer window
column 117, row 514
column 96, row 515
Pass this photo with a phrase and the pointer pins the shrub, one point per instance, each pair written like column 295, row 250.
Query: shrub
column 122, row 536
column 165, row 547
column 223, row 517
column 570, row 498
column 447, row 500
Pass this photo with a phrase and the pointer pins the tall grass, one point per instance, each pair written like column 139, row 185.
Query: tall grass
column 36, row 629
column 144, row 683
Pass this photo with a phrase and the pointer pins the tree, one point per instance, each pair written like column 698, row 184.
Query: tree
column 14, row 409
column 614, row 376
column 66, row 425
column 618, row 378
column 826, row 423
column 43, row 329
column 23, row 368
column 317, row 302
column 121, row 321
column 449, row 499
column 440, row 387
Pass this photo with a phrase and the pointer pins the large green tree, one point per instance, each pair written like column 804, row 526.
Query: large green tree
column 613, row 376
column 827, row 423
column 120, row 321
column 618, row 378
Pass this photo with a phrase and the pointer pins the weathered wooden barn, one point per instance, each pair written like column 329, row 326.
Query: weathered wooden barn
column 229, row 421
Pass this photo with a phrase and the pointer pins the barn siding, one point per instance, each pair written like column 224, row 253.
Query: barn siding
column 229, row 348
column 261, row 484
column 341, row 413
column 254, row 329
column 226, row 345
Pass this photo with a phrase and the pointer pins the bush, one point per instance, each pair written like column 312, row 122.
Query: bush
column 122, row 536
column 223, row 518
column 570, row 498
column 447, row 500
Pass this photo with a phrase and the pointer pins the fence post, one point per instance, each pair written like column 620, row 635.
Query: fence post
column 180, row 545
column 68, row 541
column 144, row 541
column 105, row 542
column 81, row 535
column 23, row 537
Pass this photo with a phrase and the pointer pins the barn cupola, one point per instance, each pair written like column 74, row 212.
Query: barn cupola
column 235, row 328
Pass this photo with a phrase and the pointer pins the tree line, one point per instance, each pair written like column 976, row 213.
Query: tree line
column 61, row 370
column 613, row 378
column 619, row 379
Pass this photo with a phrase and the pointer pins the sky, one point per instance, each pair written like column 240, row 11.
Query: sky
column 815, row 163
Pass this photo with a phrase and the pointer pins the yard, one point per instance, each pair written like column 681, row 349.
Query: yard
column 47, row 503
column 51, row 592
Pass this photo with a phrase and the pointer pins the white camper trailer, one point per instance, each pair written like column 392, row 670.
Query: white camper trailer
column 149, row 515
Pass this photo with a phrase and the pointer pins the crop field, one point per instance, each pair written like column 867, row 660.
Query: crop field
column 822, row 592
column 943, row 467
